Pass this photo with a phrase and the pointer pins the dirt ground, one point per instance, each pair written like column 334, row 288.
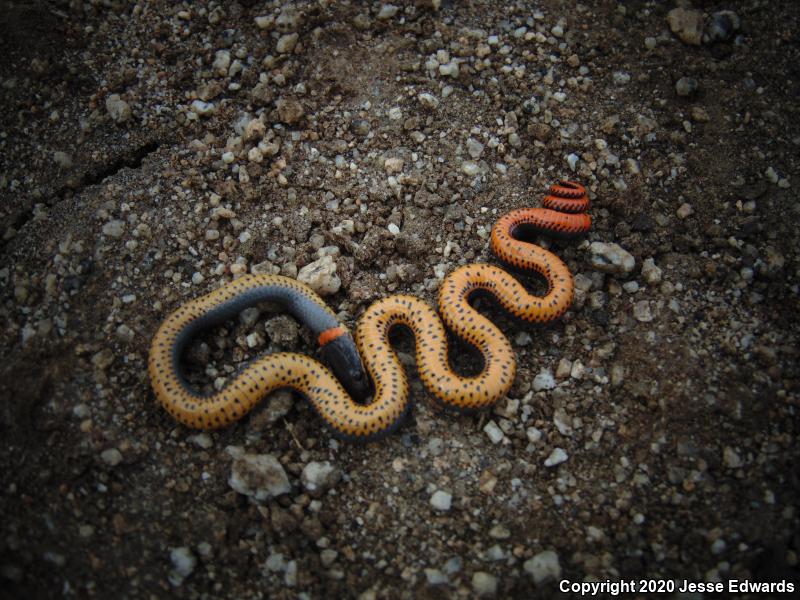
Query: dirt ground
column 151, row 151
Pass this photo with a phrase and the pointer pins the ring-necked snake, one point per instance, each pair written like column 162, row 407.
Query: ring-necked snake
column 346, row 408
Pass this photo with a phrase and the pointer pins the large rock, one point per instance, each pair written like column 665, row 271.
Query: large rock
column 321, row 276
column 611, row 258
column 259, row 476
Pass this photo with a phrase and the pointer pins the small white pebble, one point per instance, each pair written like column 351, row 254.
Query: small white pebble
column 474, row 147
column 112, row 457
column 484, row 584
column 718, row 547
column 203, row 109
column 183, row 560
column 557, row 456
column 202, row 440
column 470, row 168
column 534, row 435
column 450, row 69
column 393, row 165
column 255, row 155
column 254, row 340
column 264, row 22
column 286, row 43
column 631, row 286
column 578, row 370
column 642, row 312
column 441, row 500
column 772, row 175
column 544, row 380
column 428, row 100
column 495, row 434
column 114, row 228
column 387, row 12
column 572, row 160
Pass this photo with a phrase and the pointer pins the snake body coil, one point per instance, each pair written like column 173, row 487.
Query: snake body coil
column 345, row 410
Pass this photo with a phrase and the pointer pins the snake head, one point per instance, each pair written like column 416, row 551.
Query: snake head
column 341, row 355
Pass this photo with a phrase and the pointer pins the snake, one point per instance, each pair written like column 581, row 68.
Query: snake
column 366, row 400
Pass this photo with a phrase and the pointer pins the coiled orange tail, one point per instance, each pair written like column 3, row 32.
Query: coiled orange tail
column 563, row 216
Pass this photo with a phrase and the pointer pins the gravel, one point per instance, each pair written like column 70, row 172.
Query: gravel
column 152, row 152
